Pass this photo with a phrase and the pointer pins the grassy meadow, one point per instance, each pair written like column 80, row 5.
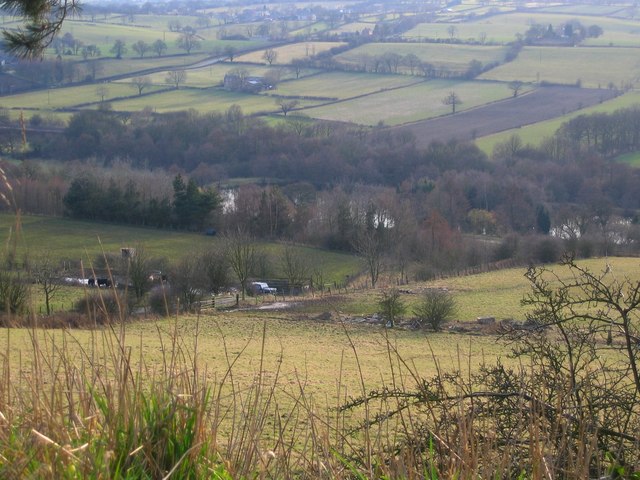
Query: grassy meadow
column 213, row 75
column 148, row 29
column 453, row 57
column 73, row 240
column 592, row 67
column 285, row 54
column 313, row 353
column 491, row 30
column 203, row 100
column 320, row 343
column 70, row 97
column 316, row 354
column 342, row 85
column 620, row 32
column 412, row 103
column 104, row 34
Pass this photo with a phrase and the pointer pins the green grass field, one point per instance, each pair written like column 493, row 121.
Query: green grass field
column 69, row 97
column 203, row 100
column 454, row 57
column 341, row 85
column 319, row 353
column 287, row 53
column 76, row 240
column 417, row 102
column 504, row 28
column 355, row 27
column 534, row 134
column 582, row 9
column 149, row 29
column 213, row 75
column 103, row 35
column 591, row 66
column 494, row 32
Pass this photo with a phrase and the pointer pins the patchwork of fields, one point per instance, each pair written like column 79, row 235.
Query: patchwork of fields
column 385, row 83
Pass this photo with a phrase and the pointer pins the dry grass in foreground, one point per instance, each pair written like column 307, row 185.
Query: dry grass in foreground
column 567, row 408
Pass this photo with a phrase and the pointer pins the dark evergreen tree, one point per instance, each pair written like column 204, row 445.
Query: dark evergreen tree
column 543, row 221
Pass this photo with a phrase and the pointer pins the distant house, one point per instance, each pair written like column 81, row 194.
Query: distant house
column 242, row 83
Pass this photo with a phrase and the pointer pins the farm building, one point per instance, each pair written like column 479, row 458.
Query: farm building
column 240, row 83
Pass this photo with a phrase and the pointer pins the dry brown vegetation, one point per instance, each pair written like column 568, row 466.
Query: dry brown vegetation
column 162, row 399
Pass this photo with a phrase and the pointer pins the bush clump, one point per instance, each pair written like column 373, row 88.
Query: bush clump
column 103, row 307
column 437, row 308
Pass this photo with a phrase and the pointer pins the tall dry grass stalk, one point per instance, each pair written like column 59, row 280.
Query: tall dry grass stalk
column 97, row 409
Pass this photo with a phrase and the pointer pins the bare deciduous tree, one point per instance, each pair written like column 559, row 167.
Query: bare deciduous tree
column 215, row 269
column 141, row 47
column 452, row 99
column 515, row 87
column 270, row 55
column 188, row 41
column 159, row 47
column 140, row 83
column 294, row 267
column 46, row 275
column 371, row 247
column 391, row 306
column 177, row 77
column 286, row 105
column 138, row 266
column 240, row 251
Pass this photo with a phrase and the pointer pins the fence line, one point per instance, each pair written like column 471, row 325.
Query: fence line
column 218, row 302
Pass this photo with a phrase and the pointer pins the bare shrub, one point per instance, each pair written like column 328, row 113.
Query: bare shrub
column 13, row 293
column 104, row 307
column 391, row 306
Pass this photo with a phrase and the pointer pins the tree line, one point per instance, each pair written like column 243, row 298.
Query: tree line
column 90, row 198
column 370, row 192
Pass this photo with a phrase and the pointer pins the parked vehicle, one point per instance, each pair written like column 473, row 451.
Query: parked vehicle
column 262, row 287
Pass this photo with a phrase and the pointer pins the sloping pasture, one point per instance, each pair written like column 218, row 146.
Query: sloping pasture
column 342, row 85
column 320, row 354
column 354, row 27
column 160, row 23
column 583, row 9
column 496, row 32
column 524, row 20
column 73, row 240
column 203, row 100
column 316, row 356
column 69, row 97
column 110, row 67
column 504, row 28
column 616, row 32
column 453, row 57
column 287, row 53
column 591, row 66
column 212, row 75
column 498, row 294
column 104, row 34
column 413, row 103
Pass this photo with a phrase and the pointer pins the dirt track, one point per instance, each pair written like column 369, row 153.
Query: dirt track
column 544, row 103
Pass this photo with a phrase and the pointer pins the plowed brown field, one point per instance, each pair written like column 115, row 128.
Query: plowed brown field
column 544, row 103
